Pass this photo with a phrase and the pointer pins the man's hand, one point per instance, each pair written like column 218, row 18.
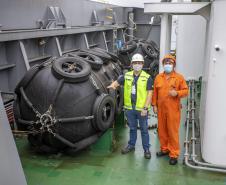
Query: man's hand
column 144, row 112
column 113, row 85
column 173, row 93
column 155, row 109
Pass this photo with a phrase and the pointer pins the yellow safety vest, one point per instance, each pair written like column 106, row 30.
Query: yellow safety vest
column 141, row 91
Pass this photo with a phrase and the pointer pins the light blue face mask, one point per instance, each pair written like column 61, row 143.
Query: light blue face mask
column 168, row 68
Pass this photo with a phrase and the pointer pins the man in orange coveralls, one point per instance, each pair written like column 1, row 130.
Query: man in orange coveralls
column 169, row 88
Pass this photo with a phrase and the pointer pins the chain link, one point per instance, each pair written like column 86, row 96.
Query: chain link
column 94, row 82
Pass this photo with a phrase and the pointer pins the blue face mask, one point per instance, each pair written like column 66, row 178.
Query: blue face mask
column 168, row 68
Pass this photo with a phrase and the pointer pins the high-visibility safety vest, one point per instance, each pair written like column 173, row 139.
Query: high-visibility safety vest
column 141, row 91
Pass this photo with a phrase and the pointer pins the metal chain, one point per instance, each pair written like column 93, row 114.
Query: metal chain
column 94, row 82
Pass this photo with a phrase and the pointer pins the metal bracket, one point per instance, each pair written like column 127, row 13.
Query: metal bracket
column 95, row 19
column 205, row 12
column 54, row 18
column 114, row 18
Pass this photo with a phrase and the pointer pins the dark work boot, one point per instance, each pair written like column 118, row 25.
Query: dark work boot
column 161, row 153
column 173, row 161
column 127, row 149
column 147, row 154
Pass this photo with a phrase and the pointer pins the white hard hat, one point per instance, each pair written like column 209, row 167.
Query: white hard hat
column 137, row 58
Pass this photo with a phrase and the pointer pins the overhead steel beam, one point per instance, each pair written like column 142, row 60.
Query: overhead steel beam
column 174, row 8
column 166, row 10
column 39, row 33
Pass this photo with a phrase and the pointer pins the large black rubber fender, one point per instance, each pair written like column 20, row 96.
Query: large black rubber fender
column 150, row 42
column 114, row 57
column 27, row 78
column 154, row 68
column 16, row 108
column 116, row 68
column 36, row 143
column 155, row 46
column 125, row 60
column 71, row 69
column 104, row 56
column 103, row 111
column 31, row 74
column 119, row 100
column 129, row 47
column 16, row 112
column 83, row 144
column 117, row 95
column 149, row 50
column 94, row 61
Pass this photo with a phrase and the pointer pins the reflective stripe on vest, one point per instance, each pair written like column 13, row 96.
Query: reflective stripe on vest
column 141, row 91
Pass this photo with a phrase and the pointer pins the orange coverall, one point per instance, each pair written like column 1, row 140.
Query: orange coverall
column 169, row 110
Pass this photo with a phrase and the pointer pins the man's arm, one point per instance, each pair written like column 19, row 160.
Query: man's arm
column 147, row 103
column 183, row 89
column 118, row 82
column 113, row 85
column 149, row 96
column 148, row 99
column 154, row 98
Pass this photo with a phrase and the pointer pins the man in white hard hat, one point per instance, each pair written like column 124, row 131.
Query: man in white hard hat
column 137, row 96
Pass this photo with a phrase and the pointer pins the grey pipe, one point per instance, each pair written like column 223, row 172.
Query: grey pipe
column 186, row 142
column 204, row 166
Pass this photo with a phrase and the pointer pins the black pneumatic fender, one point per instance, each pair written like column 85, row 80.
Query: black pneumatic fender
column 125, row 60
column 103, row 111
column 114, row 57
column 103, row 55
column 71, row 69
column 38, row 146
column 64, row 103
column 155, row 46
column 27, row 78
column 149, row 50
column 119, row 100
column 154, row 69
column 31, row 74
column 94, row 61
column 129, row 47
column 16, row 111
column 117, row 95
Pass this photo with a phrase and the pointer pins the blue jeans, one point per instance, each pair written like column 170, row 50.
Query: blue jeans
column 133, row 116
